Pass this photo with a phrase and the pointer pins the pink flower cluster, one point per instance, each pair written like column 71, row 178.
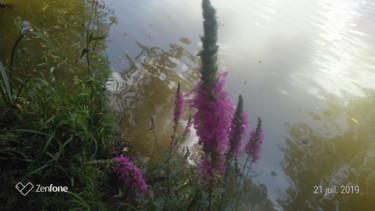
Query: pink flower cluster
column 219, row 134
column 253, row 147
column 212, row 123
column 130, row 174
column 237, row 131
column 219, row 130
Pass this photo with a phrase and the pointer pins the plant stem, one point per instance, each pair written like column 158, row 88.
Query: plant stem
column 169, row 157
column 238, row 183
column 225, row 184
column 156, row 141
column 247, row 173
column 210, row 198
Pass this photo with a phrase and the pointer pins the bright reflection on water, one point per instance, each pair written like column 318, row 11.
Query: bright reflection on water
column 307, row 68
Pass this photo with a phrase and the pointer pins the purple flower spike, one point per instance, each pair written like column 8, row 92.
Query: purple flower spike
column 130, row 174
column 238, row 130
column 212, row 122
column 253, row 147
column 178, row 105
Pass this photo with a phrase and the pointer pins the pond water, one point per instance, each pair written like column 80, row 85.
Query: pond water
column 306, row 68
column 63, row 22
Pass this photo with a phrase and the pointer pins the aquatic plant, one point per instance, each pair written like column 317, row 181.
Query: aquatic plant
column 238, row 130
column 214, row 109
column 212, row 122
column 130, row 174
column 219, row 129
column 253, row 147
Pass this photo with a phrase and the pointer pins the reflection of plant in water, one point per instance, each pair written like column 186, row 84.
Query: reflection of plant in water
column 146, row 89
column 66, row 24
column 312, row 159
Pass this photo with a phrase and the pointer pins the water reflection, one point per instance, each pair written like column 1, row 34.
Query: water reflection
column 314, row 157
column 58, row 19
column 343, row 45
column 147, row 90
column 66, row 23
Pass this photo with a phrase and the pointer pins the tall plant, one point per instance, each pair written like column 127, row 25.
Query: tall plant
column 219, row 127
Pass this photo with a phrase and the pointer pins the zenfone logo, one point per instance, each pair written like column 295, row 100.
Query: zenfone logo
column 24, row 189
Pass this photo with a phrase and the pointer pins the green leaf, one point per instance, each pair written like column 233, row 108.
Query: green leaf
column 37, row 170
column 6, row 84
column 2, row 51
column 79, row 200
column 31, row 131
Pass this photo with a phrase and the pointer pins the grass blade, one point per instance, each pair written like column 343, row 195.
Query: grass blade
column 6, row 84
column 2, row 50
column 79, row 200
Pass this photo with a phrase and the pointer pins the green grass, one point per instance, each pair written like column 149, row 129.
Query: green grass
column 50, row 130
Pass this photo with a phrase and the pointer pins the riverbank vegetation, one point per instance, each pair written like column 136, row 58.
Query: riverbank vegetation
column 62, row 133
column 51, row 129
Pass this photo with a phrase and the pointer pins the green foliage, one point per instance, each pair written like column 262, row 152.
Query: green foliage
column 50, row 130
column 6, row 92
